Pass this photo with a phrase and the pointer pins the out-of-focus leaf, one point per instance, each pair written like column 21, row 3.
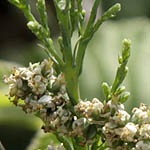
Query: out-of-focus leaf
column 4, row 101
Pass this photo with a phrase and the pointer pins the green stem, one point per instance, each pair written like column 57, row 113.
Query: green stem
column 80, row 55
column 72, row 85
column 93, row 14
column 49, row 44
column 91, row 28
column 28, row 15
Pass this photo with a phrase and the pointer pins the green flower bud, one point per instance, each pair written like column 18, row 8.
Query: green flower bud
column 126, row 50
column 123, row 98
column 111, row 12
column 106, row 89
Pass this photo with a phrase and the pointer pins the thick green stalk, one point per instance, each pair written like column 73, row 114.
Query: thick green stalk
column 72, row 85
column 63, row 16
column 65, row 24
column 80, row 54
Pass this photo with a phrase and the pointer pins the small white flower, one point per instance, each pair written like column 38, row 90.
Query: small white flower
column 121, row 116
column 121, row 107
column 129, row 131
column 144, row 131
column 89, row 108
column 141, row 115
column 141, row 145
column 50, row 147
column 37, row 78
column 45, row 99
column 108, row 128
column 37, row 70
column 97, row 104
column 143, row 107
column 111, row 105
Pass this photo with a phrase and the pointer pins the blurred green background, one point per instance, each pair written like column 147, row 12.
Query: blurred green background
column 18, row 47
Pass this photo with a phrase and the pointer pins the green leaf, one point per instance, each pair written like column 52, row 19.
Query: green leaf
column 66, row 143
column 91, row 132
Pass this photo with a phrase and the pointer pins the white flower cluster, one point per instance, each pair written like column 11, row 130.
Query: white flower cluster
column 39, row 89
column 141, row 114
column 89, row 108
column 119, row 129
column 134, row 134
column 32, row 81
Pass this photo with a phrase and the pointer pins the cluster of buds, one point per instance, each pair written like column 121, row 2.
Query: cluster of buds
column 40, row 90
column 31, row 82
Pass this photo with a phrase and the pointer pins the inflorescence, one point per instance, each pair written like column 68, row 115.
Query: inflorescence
column 39, row 89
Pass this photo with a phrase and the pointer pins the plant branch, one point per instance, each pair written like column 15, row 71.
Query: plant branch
column 122, row 69
column 63, row 15
column 91, row 29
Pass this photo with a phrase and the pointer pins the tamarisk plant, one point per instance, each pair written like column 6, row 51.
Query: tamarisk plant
column 50, row 89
